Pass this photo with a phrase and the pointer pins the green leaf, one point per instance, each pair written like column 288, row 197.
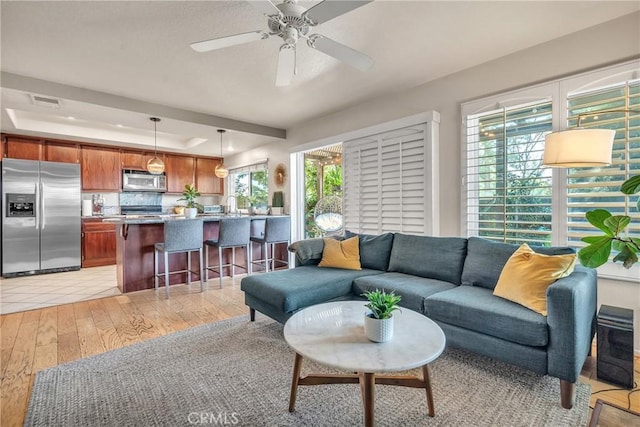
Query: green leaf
column 618, row 245
column 631, row 186
column 627, row 256
column 597, row 217
column 596, row 253
column 591, row 239
column 617, row 223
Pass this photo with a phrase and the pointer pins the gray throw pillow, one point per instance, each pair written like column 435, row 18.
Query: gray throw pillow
column 374, row 250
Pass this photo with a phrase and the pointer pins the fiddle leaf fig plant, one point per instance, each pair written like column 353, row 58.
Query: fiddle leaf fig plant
column 616, row 236
column 189, row 195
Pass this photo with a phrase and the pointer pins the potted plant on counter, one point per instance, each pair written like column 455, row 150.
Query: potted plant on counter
column 277, row 203
column 189, row 195
column 378, row 323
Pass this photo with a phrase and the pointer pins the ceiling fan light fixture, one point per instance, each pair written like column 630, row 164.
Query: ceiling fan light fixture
column 221, row 171
column 155, row 166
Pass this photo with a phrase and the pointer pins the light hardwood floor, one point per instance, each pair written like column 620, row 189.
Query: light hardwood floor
column 37, row 339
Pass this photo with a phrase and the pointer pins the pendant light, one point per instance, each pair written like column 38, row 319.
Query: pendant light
column 155, row 165
column 221, row 170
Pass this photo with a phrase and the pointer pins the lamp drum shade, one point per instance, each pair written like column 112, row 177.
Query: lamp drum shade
column 578, row 148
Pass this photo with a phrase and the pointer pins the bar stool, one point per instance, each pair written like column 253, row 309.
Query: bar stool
column 276, row 230
column 233, row 233
column 180, row 235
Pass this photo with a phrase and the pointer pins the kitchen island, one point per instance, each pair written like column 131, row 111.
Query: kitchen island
column 136, row 237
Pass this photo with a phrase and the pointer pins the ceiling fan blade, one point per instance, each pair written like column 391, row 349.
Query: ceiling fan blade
column 329, row 9
column 339, row 51
column 265, row 7
column 286, row 65
column 222, row 42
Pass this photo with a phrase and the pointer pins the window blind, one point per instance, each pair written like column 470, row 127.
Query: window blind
column 385, row 182
column 509, row 193
column 599, row 188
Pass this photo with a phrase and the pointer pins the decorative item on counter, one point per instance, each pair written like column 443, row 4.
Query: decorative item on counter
column 87, row 207
column 280, row 175
column 178, row 210
column 189, row 195
column 378, row 323
column 277, row 203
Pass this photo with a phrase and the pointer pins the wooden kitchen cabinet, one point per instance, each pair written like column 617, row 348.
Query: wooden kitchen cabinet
column 100, row 169
column 58, row 152
column 206, row 180
column 23, row 148
column 180, row 170
column 98, row 242
column 137, row 160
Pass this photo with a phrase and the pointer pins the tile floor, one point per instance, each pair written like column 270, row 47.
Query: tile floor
column 46, row 290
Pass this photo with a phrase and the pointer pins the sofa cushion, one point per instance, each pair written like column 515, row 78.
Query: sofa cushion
column 374, row 250
column 308, row 252
column 527, row 275
column 438, row 258
column 412, row 289
column 486, row 259
column 477, row 309
column 300, row 287
column 344, row 254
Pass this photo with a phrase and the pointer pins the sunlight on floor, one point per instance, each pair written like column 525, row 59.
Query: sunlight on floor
column 47, row 290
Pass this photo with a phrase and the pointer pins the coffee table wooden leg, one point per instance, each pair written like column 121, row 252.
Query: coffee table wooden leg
column 369, row 398
column 297, row 364
column 427, row 385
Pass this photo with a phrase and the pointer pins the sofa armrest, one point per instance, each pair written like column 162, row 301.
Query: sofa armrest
column 571, row 316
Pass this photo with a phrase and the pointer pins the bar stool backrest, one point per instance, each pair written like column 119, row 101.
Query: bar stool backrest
column 183, row 234
column 277, row 229
column 234, row 232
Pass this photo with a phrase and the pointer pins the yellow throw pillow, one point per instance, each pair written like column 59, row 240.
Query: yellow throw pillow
column 527, row 275
column 344, row 254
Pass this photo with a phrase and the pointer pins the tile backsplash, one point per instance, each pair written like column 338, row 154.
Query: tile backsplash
column 113, row 201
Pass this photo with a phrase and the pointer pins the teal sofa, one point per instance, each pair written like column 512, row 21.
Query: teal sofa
column 450, row 280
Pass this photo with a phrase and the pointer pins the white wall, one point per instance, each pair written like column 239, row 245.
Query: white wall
column 605, row 44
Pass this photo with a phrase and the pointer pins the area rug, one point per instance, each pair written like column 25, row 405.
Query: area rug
column 236, row 372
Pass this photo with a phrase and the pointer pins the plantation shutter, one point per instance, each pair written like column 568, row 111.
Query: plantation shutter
column 508, row 192
column 599, row 188
column 388, row 182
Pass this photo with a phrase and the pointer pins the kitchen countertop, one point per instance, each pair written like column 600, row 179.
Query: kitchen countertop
column 158, row 219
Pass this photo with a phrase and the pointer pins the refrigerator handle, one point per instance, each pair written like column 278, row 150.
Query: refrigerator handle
column 37, row 191
column 43, row 216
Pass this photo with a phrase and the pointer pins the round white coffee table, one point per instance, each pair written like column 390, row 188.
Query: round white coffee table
column 333, row 334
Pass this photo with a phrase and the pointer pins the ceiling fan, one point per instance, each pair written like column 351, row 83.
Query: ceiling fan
column 292, row 22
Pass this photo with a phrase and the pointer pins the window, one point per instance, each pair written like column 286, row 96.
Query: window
column 509, row 192
column 389, row 180
column 600, row 187
column 510, row 197
column 249, row 185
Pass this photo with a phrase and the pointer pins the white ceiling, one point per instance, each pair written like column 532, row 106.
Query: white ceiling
column 139, row 51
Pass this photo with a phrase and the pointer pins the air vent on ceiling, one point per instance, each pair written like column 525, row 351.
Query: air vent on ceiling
column 45, row 102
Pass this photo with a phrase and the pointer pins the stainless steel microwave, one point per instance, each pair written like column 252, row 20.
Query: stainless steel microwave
column 133, row 180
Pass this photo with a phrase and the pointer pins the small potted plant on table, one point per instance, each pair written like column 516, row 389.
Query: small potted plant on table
column 189, row 195
column 378, row 323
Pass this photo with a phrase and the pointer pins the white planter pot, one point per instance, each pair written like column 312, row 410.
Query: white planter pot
column 190, row 212
column 378, row 330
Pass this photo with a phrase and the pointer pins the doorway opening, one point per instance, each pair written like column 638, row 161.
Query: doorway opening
column 323, row 191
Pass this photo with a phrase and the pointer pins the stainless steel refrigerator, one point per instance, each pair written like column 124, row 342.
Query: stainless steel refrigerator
column 40, row 217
